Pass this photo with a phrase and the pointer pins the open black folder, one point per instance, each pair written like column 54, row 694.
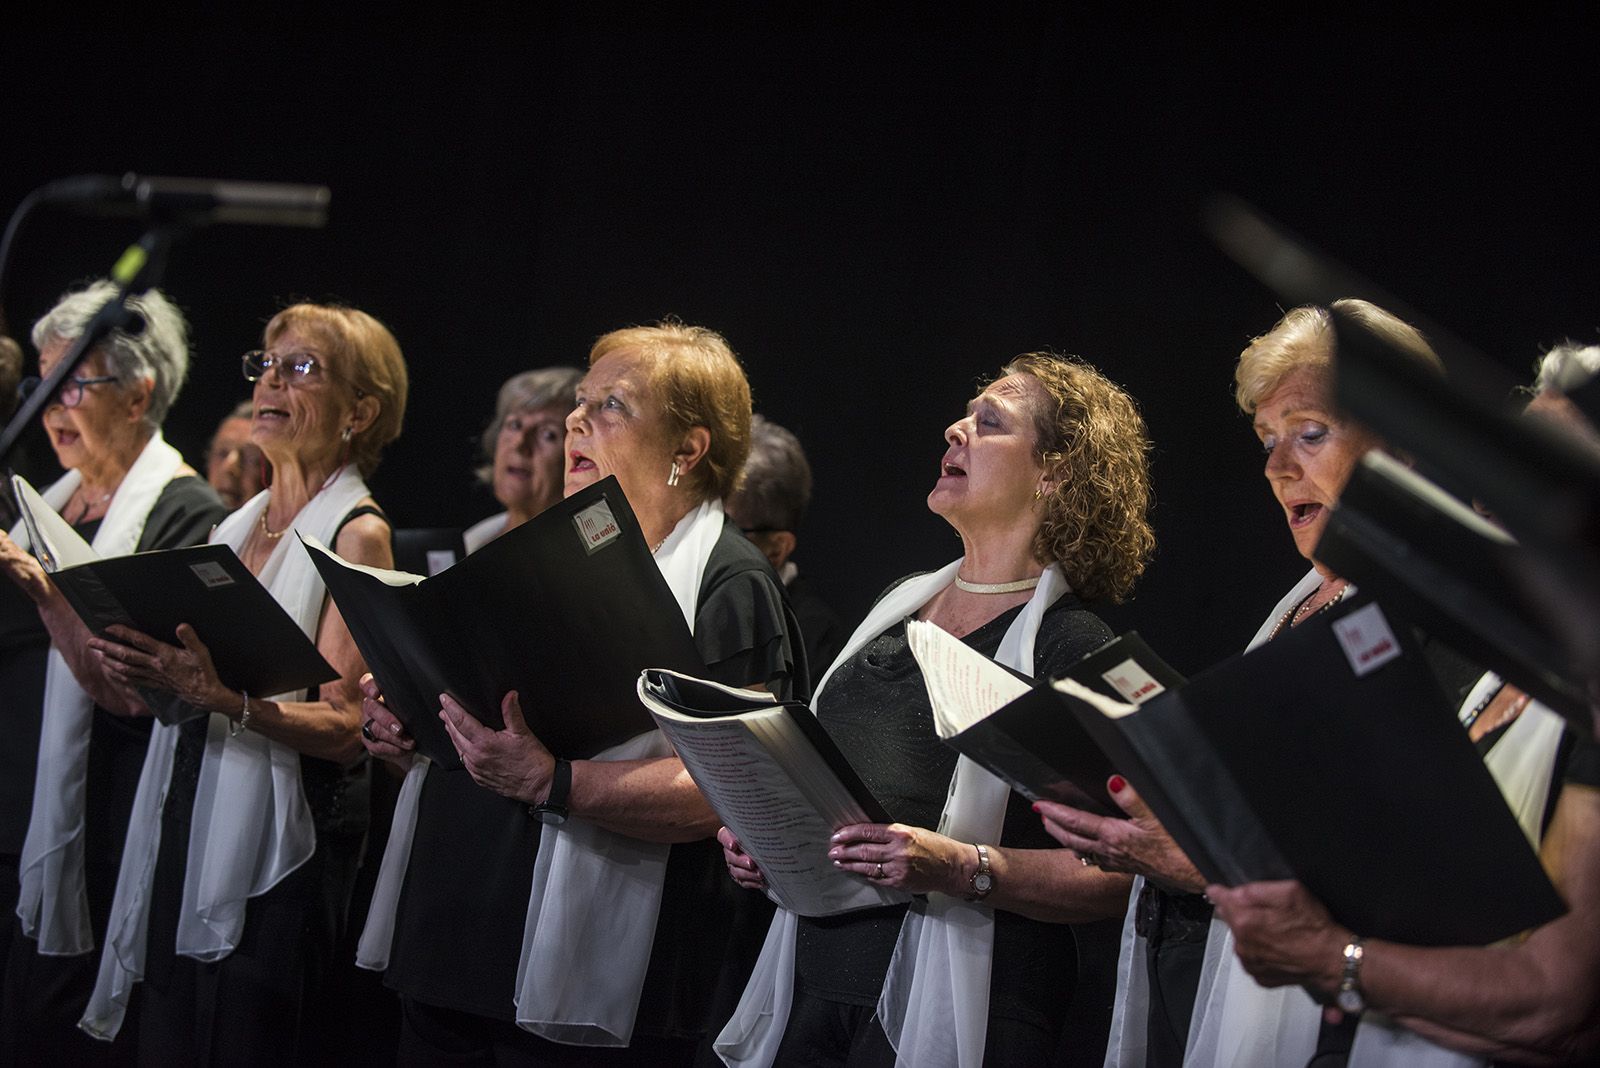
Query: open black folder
column 1329, row 755
column 1412, row 545
column 1030, row 741
column 777, row 780
column 254, row 644
column 566, row 610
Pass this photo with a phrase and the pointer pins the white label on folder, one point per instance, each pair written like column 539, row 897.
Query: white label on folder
column 597, row 526
column 1367, row 640
column 1133, row 682
column 212, row 574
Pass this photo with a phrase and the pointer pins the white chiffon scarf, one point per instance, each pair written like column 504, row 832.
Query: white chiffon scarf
column 251, row 825
column 935, row 1002
column 484, row 531
column 1238, row 1022
column 591, row 888
column 54, row 904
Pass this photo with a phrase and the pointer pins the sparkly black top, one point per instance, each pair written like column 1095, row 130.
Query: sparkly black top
column 876, row 708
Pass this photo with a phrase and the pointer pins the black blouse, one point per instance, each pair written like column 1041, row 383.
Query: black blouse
column 458, row 932
column 876, row 708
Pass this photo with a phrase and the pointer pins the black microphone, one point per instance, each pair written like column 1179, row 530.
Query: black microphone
column 194, row 201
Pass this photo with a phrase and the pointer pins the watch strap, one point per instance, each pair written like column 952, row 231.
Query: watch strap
column 1349, row 997
column 982, row 881
column 553, row 809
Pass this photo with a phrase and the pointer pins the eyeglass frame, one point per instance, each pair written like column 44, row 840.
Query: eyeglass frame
column 291, row 370
column 73, row 383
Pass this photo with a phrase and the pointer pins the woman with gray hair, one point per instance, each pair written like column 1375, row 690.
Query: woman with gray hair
column 61, row 831
column 522, row 445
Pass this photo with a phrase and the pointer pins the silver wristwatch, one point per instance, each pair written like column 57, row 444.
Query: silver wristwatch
column 1349, row 997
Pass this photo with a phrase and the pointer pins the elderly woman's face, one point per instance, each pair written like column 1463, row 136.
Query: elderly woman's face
column 529, row 458
column 617, row 428
column 1311, row 452
column 104, row 415
column 299, row 415
column 990, row 470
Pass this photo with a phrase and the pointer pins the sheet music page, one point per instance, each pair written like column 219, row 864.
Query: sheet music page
column 964, row 686
column 55, row 543
column 755, row 794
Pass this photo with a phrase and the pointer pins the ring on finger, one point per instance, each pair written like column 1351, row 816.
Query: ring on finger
column 1090, row 860
column 366, row 731
column 879, row 873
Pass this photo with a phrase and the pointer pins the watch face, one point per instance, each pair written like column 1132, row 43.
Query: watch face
column 1350, row 1001
column 983, row 882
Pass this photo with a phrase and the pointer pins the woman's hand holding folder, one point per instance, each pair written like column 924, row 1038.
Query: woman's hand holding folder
column 1138, row 845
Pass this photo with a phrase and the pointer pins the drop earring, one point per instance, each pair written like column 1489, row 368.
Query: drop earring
column 672, row 476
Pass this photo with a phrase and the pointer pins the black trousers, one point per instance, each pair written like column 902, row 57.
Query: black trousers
column 431, row 1035
column 270, row 1002
column 832, row 1034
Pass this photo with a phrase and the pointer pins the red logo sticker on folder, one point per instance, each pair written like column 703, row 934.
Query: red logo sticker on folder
column 1367, row 640
column 597, row 526
column 212, row 574
column 1133, row 682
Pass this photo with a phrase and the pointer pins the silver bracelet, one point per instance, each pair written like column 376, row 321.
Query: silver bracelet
column 238, row 725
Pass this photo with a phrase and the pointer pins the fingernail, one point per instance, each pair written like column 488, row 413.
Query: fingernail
column 394, row 728
column 1116, row 784
column 1034, row 806
column 836, row 838
column 833, row 854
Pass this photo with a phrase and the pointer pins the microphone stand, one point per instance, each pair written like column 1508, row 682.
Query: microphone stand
column 138, row 269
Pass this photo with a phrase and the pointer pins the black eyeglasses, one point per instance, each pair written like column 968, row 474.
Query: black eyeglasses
column 295, row 366
column 70, row 395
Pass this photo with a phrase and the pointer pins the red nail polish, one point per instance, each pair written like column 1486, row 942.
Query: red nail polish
column 1034, row 806
column 1116, row 784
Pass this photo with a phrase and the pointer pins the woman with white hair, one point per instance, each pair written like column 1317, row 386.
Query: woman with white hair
column 125, row 490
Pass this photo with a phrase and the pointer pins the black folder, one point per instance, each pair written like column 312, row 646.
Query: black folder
column 1284, row 762
column 254, row 644
column 1044, row 752
column 1408, row 543
column 566, row 610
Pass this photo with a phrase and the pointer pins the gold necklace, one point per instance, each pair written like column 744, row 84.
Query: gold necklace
column 271, row 535
column 1293, row 616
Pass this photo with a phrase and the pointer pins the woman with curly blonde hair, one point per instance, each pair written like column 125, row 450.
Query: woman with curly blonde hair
column 1046, row 481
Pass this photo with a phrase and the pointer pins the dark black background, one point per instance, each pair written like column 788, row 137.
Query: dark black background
column 875, row 204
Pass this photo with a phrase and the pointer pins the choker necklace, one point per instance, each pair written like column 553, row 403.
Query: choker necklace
column 996, row 587
column 1295, row 614
column 272, row 535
